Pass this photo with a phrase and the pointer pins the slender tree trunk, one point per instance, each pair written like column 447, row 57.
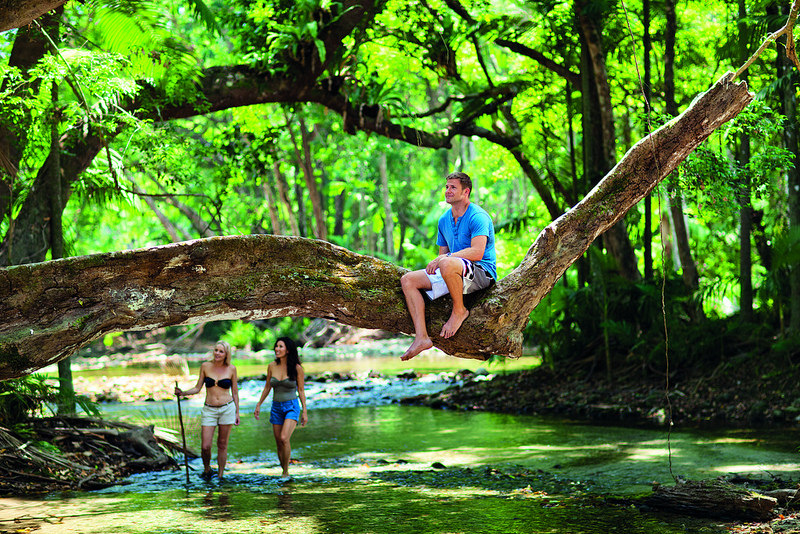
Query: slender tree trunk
column 306, row 164
column 790, row 139
column 647, row 238
column 175, row 234
column 272, row 208
column 578, row 186
column 301, row 208
column 283, row 196
column 688, row 268
column 746, row 211
column 338, row 205
column 388, row 215
column 66, row 389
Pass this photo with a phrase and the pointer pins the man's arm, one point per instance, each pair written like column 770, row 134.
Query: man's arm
column 474, row 252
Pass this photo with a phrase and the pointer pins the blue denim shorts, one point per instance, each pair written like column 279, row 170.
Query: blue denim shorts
column 284, row 410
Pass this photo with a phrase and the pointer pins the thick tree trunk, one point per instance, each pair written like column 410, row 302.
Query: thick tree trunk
column 688, row 265
column 599, row 139
column 30, row 46
column 51, row 309
column 746, row 211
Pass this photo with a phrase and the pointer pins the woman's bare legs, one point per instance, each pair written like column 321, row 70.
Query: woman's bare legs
column 222, row 447
column 283, row 435
column 206, row 437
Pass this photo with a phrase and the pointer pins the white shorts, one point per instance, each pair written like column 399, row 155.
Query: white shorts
column 218, row 415
column 474, row 277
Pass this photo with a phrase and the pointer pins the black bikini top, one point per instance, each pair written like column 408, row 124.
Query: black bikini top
column 225, row 383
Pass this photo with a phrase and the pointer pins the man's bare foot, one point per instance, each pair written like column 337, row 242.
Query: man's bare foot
column 454, row 323
column 416, row 347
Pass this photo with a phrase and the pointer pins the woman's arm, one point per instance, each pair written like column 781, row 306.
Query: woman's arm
column 235, row 392
column 265, row 392
column 196, row 389
column 301, row 392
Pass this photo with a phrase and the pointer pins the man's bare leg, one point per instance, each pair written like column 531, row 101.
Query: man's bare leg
column 452, row 271
column 412, row 283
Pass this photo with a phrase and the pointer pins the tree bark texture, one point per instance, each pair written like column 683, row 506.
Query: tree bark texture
column 598, row 117
column 688, row 268
column 18, row 13
column 30, row 46
column 51, row 309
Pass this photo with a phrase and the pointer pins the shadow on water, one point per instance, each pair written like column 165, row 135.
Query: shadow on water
column 426, row 503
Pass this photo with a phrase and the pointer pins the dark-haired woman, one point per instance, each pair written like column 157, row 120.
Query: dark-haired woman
column 221, row 408
column 286, row 377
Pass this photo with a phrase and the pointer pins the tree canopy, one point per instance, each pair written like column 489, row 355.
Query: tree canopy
column 139, row 124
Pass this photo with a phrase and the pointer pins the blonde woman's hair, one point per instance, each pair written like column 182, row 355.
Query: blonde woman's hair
column 227, row 348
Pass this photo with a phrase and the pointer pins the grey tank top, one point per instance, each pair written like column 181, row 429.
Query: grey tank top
column 284, row 390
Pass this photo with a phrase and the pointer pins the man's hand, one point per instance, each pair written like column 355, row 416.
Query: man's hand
column 434, row 264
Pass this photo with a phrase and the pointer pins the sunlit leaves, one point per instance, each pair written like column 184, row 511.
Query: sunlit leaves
column 719, row 182
column 281, row 35
column 143, row 33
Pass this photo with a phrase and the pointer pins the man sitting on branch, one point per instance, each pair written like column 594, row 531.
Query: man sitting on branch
column 466, row 263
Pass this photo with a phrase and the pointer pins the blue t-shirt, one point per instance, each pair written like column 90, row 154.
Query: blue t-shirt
column 458, row 236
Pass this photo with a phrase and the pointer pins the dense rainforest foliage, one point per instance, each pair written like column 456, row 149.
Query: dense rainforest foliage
column 135, row 123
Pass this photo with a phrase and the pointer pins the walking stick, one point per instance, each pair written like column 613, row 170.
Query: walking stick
column 183, row 435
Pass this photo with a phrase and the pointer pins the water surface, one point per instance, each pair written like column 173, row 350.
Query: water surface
column 367, row 464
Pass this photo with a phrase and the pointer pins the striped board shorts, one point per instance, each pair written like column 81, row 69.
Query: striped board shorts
column 475, row 278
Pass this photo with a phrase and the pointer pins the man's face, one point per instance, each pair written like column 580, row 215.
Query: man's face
column 454, row 191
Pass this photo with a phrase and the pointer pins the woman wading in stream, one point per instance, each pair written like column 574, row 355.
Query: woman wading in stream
column 221, row 408
column 286, row 376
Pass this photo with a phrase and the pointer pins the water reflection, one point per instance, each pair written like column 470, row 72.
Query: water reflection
column 218, row 505
column 371, row 469
column 285, row 504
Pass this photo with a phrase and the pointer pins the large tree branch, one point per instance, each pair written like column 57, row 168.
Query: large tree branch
column 573, row 78
column 644, row 166
column 53, row 308
column 18, row 13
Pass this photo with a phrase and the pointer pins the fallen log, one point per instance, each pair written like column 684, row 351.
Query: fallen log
column 91, row 454
column 713, row 498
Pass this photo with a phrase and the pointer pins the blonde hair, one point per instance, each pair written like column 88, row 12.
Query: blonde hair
column 227, row 348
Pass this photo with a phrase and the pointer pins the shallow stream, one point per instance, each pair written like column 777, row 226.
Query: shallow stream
column 367, row 464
